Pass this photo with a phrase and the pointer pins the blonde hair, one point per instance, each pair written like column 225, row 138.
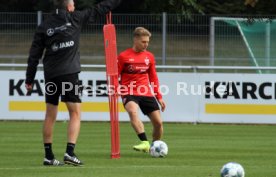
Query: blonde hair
column 141, row 31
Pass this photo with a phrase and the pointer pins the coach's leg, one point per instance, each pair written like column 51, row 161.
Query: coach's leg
column 49, row 122
column 156, row 121
column 73, row 128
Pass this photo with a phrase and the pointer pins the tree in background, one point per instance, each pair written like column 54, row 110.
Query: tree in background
column 223, row 6
column 265, row 7
column 239, row 7
column 47, row 5
column 35, row 5
column 17, row 5
column 186, row 7
column 252, row 3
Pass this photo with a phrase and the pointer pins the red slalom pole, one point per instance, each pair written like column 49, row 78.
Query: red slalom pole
column 110, row 46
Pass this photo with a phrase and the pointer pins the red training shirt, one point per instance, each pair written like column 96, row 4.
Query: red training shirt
column 137, row 72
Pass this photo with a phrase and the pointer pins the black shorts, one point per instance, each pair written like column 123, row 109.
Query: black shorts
column 146, row 104
column 66, row 86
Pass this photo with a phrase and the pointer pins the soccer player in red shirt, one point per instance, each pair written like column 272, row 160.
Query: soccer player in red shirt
column 139, row 87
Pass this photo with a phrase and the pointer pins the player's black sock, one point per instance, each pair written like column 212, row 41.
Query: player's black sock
column 70, row 149
column 143, row 136
column 48, row 151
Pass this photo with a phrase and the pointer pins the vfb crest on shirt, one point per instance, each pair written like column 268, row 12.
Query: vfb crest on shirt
column 147, row 61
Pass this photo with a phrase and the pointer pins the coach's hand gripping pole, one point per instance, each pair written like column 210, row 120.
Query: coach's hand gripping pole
column 112, row 83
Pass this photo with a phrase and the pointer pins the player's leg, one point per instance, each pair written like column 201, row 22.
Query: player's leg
column 157, row 124
column 132, row 109
column 70, row 96
column 149, row 107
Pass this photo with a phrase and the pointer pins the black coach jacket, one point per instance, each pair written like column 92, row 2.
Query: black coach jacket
column 59, row 36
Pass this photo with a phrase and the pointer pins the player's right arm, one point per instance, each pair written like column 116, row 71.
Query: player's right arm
column 35, row 54
column 120, row 69
column 120, row 62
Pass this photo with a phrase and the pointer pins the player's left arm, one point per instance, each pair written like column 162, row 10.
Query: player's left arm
column 162, row 104
column 153, row 78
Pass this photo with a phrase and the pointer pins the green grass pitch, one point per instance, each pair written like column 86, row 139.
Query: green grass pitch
column 194, row 151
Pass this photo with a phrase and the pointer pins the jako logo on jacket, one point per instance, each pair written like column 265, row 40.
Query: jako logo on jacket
column 56, row 47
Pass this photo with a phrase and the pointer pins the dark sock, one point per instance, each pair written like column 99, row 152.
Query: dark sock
column 70, row 149
column 142, row 136
column 48, row 151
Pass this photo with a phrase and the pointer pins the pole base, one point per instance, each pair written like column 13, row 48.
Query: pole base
column 115, row 156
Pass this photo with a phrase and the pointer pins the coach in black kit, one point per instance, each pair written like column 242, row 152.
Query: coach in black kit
column 59, row 36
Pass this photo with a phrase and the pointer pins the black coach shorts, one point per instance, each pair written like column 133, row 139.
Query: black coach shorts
column 146, row 104
column 66, row 86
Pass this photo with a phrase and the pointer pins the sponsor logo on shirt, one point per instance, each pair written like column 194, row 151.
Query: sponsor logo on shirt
column 56, row 47
column 63, row 27
column 142, row 67
column 50, row 32
column 130, row 68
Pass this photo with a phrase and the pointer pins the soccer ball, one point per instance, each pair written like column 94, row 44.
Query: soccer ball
column 232, row 169
column 158, row 149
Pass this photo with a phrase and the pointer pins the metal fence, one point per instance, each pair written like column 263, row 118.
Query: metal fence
column 176, row 40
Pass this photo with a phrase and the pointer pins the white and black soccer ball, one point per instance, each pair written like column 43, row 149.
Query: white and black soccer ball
column 232, row 169
column 158, row 149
